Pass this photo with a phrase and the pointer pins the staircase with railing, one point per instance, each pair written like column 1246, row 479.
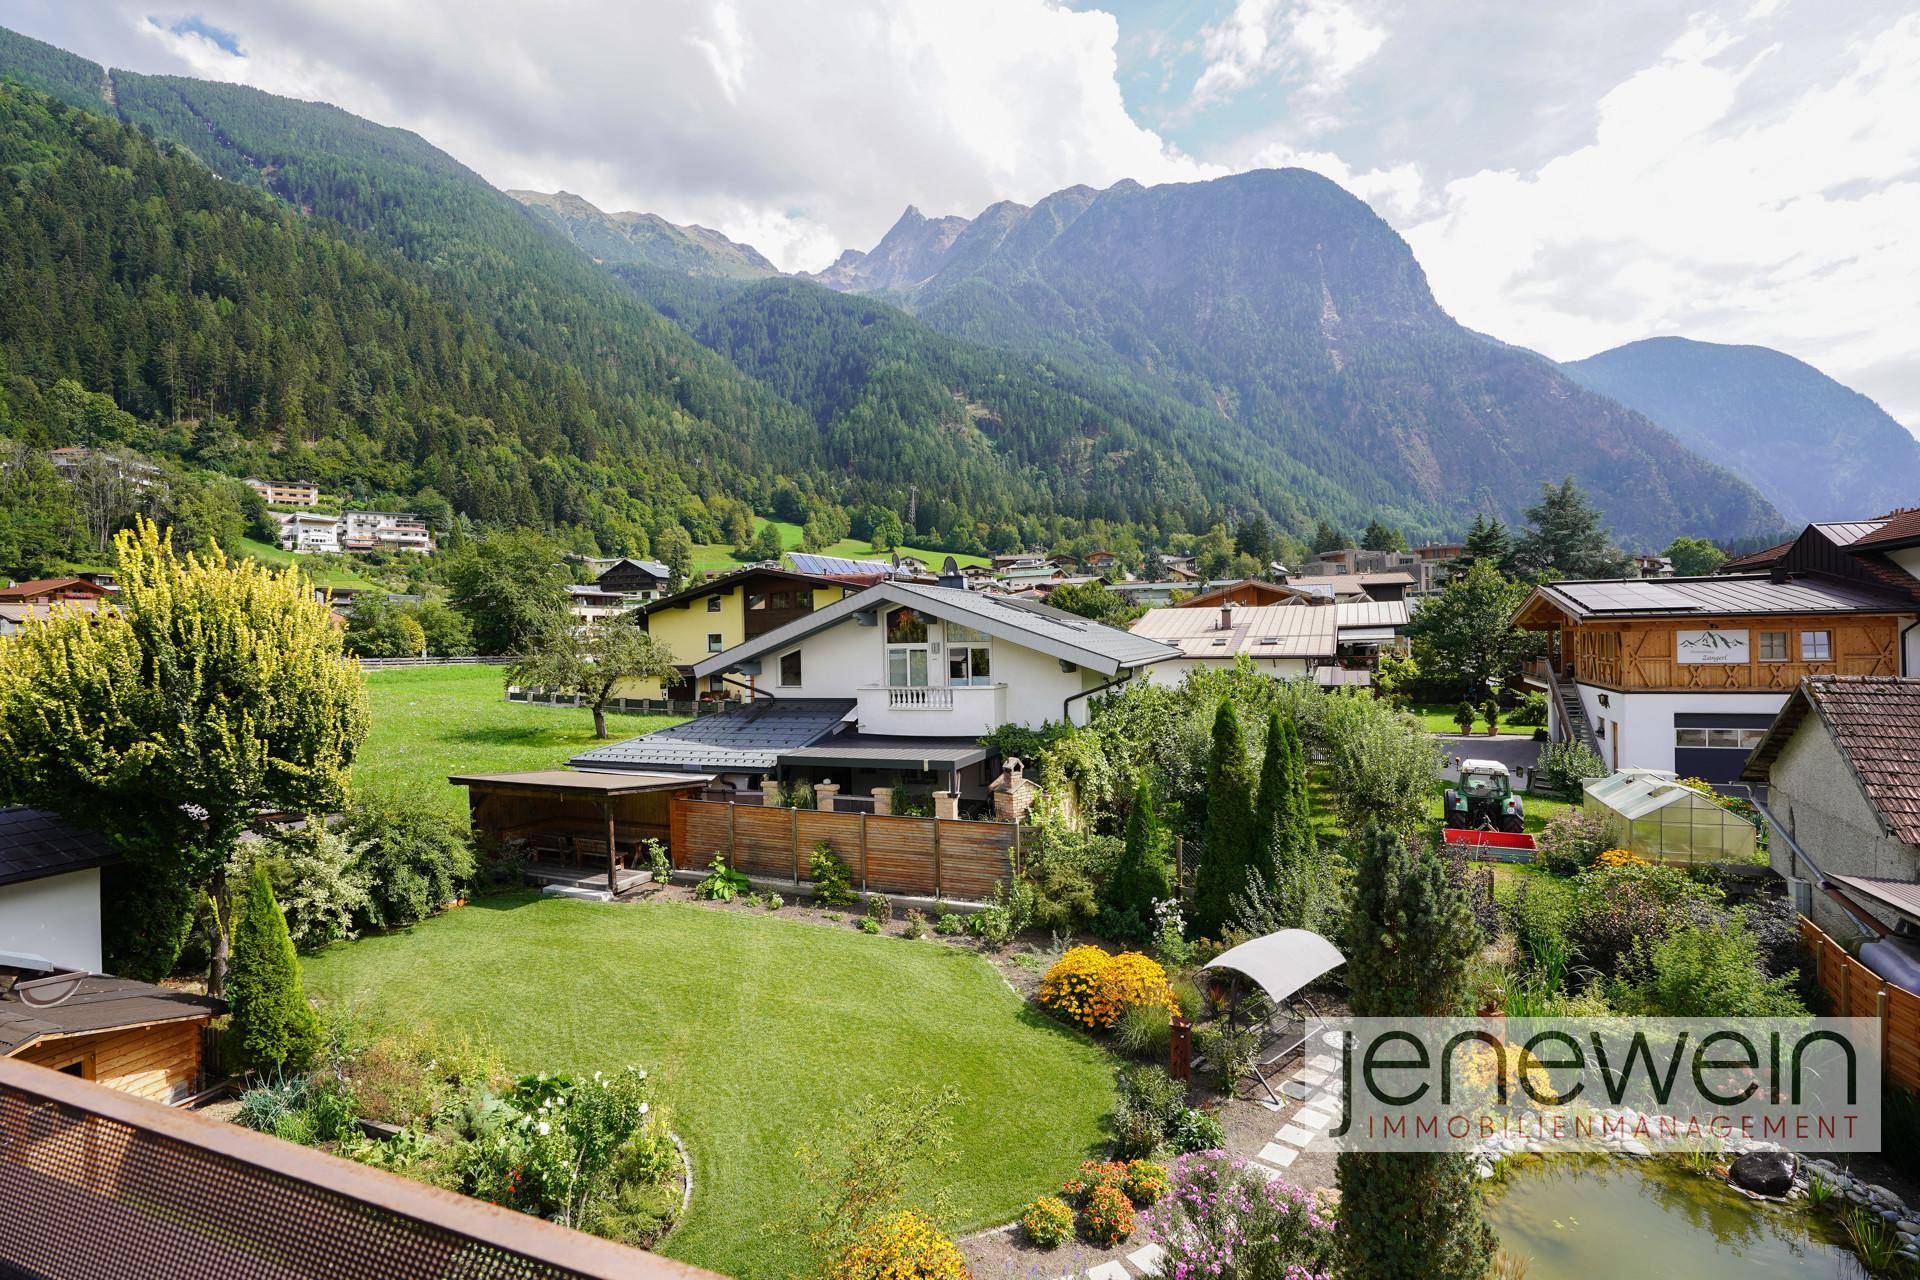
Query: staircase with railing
column 1572, row 720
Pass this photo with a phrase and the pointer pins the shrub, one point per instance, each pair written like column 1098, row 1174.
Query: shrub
column 1490, row 712
column 1530, row 710
column 416, row 861
column 1463, row 717
column 1109, row 1215
column 1072, row 986
column 318, row 880
column 1563, row 766
column 1048, row 1221
column 1093, row 1174
column 879, row 909
column 1705, row 970
column 1130, row 979
column 658, row 861
column 901, row 1246
column 1197, row 1130
column 1148, row 1105
column 1229, row 1051
column 1144, row 1182
column 723, row 883
column 916, row 924
column 1620, row 858
column 273, row 1025
column 1571, row 841
column 869, row 925
column 1221, row 1218
column 832, row 880
column 1144, row 1031
column 950, row 925
column 1616, row 907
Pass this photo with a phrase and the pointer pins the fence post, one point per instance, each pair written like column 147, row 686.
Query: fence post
column 938, row 891
column 730, row 837
column 863, row 853
column 793, row 829
column 1880, row 999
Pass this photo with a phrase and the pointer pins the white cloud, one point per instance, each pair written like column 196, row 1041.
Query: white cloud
column 801, row 126
column 1786, row 221
column 1319, row 42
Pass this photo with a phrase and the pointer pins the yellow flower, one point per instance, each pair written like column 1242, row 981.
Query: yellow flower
column 903, row 1246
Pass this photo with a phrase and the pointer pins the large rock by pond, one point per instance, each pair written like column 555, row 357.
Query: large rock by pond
column 1765, row 1173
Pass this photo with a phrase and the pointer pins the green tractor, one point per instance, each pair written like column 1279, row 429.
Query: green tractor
column 1484, row 799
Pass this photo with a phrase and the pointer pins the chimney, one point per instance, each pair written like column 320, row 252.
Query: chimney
column 1226, row 616
column 950, row 575
column 1777, row 572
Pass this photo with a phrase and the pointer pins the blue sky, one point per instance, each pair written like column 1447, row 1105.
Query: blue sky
column 1571, row 176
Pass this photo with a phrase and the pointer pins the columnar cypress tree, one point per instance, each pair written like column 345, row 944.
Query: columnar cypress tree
column 1229, row 834
column 1411, row 936
column 1141, row 876
column 272, row 1021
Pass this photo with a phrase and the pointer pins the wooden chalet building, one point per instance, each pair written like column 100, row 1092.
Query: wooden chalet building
column 1687, row 674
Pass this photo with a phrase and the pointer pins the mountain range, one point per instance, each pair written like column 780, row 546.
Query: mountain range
column 1816, row 449
column 1157, row 358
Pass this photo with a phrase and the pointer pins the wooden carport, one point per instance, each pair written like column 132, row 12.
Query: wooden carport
column 584, row 812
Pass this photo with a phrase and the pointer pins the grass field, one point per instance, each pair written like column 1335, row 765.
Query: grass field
column 322, row 575
column 429, row 722
column 758, row 1030
column 716, row 555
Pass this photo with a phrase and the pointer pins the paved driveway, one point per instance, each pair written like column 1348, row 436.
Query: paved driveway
column 1516, row 751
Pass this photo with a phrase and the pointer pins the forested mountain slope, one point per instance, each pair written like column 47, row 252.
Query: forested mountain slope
column 1286, row 304
column 885, row 388
column 1817, row 449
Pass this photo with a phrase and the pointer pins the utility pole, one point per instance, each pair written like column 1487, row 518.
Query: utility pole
column 913, row 507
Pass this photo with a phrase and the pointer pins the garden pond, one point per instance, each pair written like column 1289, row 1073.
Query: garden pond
column 1575, row 1219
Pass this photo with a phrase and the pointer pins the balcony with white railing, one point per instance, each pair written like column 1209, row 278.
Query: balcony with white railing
column 938, row 710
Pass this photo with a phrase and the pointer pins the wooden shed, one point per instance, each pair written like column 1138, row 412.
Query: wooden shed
column 575, row 825
column 127, row 1035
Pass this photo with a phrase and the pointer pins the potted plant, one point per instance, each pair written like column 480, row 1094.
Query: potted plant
column 1463, row 716
column 1491, row 712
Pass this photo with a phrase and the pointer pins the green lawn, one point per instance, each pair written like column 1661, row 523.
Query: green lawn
column 429, row 722
column 757, row 1030
column 322, row 575
column 717, row 555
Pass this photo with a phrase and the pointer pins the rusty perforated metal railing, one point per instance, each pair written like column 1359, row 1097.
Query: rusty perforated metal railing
column 100, row 1185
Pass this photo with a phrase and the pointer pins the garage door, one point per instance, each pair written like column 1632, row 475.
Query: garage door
column 1715, row 746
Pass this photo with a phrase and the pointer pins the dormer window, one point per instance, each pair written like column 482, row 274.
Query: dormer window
column 969, row 656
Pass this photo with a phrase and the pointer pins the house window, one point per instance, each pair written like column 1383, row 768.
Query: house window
column 969, row 655
column 1735, row 739
column 714, row 644
column 780, row 600
column 1816, row 646
column 756, row 600
column 906, row 649
column 713, row 604
column 1773, row 646
column 790, row 669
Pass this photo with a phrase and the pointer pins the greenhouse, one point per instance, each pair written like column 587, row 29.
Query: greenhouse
column 1650, row 814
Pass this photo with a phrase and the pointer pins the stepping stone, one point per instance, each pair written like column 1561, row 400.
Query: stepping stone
column 1274, row 1153
column 1295, row 1134
column 1296, row 1090
column 1312, row 1076
column 1312, row 1119
column 1271, row 1175
column 1147, row 1258
column 1324, row 1062
column 1109, row 1271
column 1330, row 1038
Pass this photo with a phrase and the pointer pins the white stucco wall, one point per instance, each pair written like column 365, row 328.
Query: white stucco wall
column 1818, row 801
column 1646, row 720
column 58, row 917
column 848, row 660
column 1174, row 670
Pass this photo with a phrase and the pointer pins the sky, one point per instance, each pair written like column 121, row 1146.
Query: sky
column 1571, row 176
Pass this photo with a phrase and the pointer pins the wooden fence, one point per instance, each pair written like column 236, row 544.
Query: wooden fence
column 1855, row 991
column 928, row 857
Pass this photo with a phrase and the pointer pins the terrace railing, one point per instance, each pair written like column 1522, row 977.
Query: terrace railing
column 102, row 1185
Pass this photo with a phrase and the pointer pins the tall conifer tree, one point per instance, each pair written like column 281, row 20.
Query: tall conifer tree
column 1230, row 837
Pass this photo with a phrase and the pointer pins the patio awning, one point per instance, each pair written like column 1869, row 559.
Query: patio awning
column 1282, row 962
column 579, row 782
column 1342, row 677
column 1902, row 897
column 884, row 751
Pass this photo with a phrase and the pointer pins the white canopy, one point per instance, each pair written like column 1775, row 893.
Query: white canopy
column 1282, row 962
